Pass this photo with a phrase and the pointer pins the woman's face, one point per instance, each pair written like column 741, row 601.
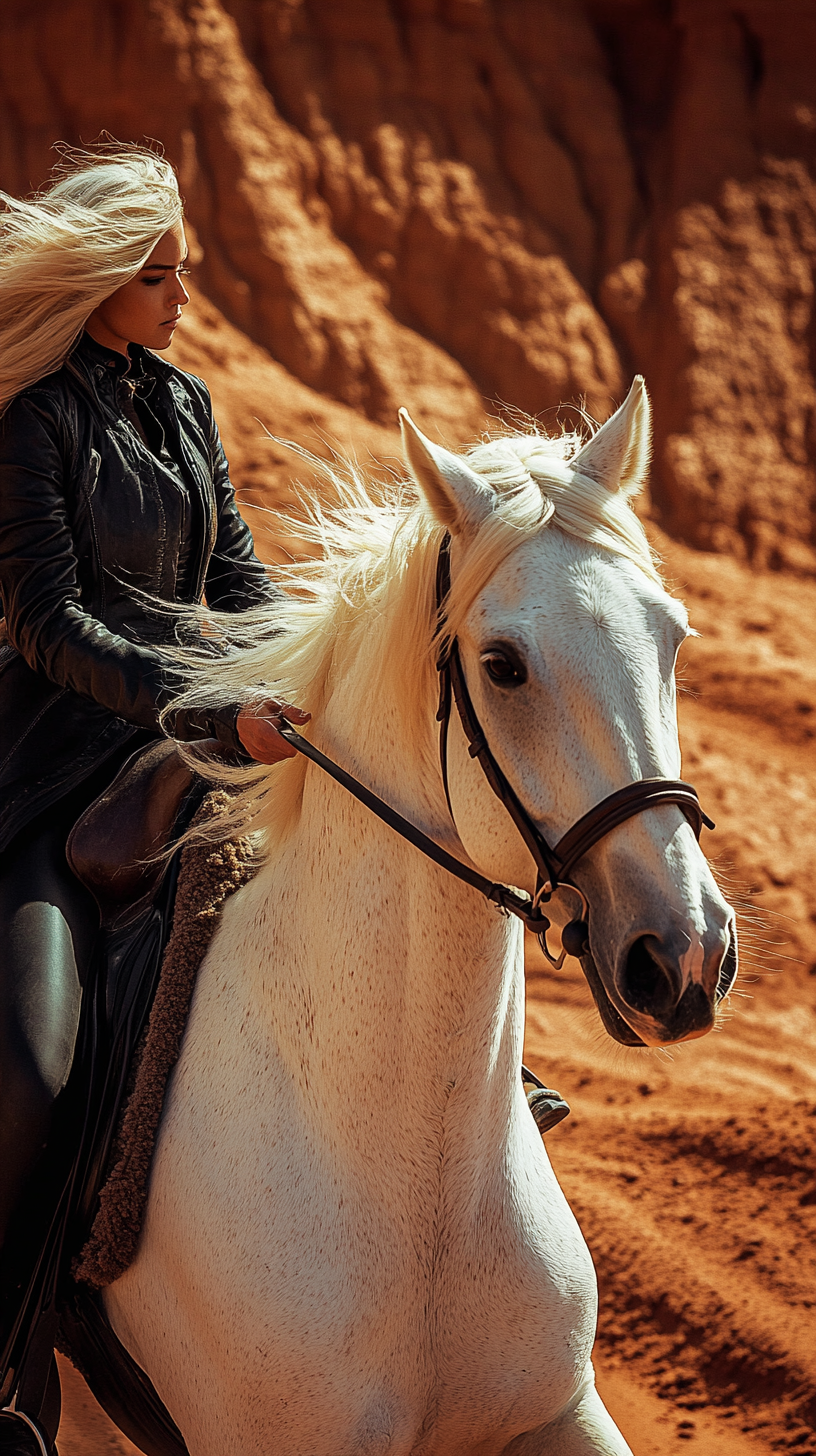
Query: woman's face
column 147, row 309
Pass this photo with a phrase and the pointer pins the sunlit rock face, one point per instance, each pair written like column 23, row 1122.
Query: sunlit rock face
column 455, row 205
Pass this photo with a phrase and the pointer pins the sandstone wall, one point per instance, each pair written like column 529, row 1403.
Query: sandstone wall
column 453, row 203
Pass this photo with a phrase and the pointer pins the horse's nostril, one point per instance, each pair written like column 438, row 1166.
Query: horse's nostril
column 645, row 983
column 727, row 973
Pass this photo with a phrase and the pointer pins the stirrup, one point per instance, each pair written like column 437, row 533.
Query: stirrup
column 31, row 1440
column 547, row 1106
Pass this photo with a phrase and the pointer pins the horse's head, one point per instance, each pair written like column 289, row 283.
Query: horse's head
column 568, row 642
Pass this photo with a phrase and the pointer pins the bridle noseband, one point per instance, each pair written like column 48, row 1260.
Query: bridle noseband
column 553, row 864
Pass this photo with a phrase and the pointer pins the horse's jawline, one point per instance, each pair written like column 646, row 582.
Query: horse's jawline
column 613, row 1022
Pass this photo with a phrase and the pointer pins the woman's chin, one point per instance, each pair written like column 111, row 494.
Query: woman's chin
column 161, row 338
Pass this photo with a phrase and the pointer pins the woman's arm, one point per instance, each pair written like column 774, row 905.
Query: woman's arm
column 236, row 579
column 45, row 620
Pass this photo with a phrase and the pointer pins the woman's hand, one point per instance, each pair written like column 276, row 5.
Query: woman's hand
column 258, row 726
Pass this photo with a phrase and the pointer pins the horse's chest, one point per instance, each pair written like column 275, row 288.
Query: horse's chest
column 407, row 1324
column 375, row 1284
column 514, row 1318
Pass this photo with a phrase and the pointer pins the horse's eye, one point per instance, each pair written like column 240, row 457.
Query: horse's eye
column 503, row 669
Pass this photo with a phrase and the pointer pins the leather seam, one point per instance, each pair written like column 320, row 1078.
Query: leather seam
column 32, row 725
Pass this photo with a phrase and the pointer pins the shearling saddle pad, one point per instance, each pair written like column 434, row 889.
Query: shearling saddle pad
column 209, row 873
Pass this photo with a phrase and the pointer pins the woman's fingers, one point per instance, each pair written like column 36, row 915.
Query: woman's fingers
column 293, row 715
column 261, row 739
column 258, row 725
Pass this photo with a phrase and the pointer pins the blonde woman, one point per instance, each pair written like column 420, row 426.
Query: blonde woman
column 114, row 489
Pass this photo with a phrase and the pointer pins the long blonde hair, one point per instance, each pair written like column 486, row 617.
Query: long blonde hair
column 70, row 246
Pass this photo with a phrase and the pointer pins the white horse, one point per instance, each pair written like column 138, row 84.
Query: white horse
column 354, row 1241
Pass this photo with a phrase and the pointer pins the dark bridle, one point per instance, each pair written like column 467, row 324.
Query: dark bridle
column 553, row 863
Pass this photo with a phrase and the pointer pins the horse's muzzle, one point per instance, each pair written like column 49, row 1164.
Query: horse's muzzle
column 660, row 1001
column 651, row 1003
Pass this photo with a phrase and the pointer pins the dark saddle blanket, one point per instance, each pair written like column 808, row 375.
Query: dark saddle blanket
column 80, row 1225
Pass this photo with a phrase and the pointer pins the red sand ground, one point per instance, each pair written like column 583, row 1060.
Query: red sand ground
column 692, row 1173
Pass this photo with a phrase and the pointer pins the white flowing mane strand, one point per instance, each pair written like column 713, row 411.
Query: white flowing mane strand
column 368, row 597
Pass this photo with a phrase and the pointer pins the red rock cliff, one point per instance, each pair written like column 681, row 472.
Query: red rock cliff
column 449, row 203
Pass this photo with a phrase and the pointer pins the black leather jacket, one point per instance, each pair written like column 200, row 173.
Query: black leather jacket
column 91, row 517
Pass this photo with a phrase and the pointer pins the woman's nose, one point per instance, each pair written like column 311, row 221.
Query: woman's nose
column 178, row 293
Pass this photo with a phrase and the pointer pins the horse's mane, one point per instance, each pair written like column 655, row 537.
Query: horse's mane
column 366, row 594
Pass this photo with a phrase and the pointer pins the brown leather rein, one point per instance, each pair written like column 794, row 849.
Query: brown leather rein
column 553, row 863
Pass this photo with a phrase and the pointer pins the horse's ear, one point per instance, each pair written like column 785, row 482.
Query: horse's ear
column 618, row 455
column 459, row 498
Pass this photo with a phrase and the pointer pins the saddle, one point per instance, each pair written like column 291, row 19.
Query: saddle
column 122, row 851
column 117, row 847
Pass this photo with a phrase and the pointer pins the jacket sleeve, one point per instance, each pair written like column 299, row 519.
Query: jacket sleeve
column 39, row 577
column 236, row 579
column 45, row 620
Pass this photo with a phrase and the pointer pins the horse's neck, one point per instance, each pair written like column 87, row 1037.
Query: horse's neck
column 386, row 971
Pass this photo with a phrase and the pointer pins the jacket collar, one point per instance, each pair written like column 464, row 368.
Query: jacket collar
column 93, row 356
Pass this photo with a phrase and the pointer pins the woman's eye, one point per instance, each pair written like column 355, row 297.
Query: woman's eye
column 160, row 278
column 503, row 669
